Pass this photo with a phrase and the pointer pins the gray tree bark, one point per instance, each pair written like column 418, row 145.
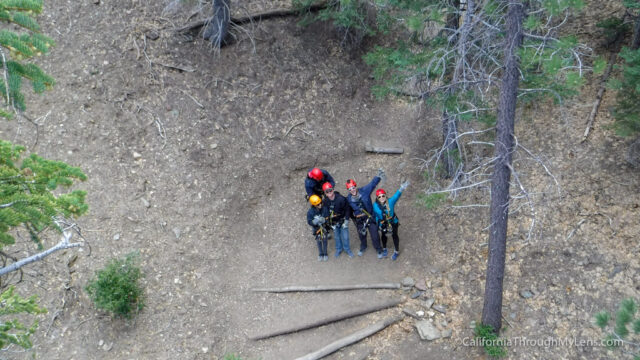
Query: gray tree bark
column 218, row 27
column 635, row 43
column 492, row 310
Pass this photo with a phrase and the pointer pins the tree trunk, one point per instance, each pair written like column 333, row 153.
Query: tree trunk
column 450, row 122
column 635, row 44
column 453, row 18
column 450, row 144
column 492, row 311
column 218, row 27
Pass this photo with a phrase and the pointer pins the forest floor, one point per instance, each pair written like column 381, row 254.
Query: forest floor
column 197, row 160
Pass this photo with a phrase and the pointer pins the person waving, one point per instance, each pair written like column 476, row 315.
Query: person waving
column 387, row 219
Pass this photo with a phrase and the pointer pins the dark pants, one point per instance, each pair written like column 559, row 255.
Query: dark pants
column 394, row 236
column 372, row 229
column 321, row 241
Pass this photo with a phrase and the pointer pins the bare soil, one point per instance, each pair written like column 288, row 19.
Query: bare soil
column 196, row 160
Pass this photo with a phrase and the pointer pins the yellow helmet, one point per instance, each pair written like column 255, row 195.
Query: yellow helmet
column 315, row 200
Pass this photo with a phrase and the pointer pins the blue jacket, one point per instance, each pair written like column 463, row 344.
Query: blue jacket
column 312, row 212
column 381, row 210
column 315, row 187
column 364, row 201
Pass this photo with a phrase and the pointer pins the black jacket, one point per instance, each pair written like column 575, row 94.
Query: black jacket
column 338, row 209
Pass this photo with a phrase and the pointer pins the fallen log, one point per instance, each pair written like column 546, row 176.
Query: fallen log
column 353, row 338
column 383, row 150
column 330, row 319
column 599, row 95
column 277, row 13
column 297, row 288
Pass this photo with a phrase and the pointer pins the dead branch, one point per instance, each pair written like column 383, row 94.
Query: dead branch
column 351, row 339
column 599, row 96
column 383, row 150
column 278, row 13
column 63, row 244
column 297, row 288
column 331, row 319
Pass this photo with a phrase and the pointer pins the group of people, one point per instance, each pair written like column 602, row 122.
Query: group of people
column 331, row 211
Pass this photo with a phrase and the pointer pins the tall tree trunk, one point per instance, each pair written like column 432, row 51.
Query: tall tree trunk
column 450, row 122
column 217, row 29
column 492, row 311
column 635, row 43
column 450, row 144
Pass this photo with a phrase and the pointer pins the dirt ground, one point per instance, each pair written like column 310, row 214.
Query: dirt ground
column 197, row 161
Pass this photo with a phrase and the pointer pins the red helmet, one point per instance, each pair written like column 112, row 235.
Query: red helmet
column 326, row 186
column 380, row 191
column 350, row 183
column 316, row 174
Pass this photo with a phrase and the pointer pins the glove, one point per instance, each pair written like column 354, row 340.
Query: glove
column 345, row 223
column 381, row 174
column 318, row 220
column 334, row 227
column 404, row 185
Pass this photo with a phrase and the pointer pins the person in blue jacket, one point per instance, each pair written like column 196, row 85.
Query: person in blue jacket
column 316, row 218
column 387, row 219
column 314, row 180
column 360, row 201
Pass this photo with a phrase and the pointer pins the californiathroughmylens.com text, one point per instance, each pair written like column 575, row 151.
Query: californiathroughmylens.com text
column 540, row 342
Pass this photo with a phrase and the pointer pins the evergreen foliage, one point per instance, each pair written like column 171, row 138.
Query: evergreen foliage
column 348, row 16
column 485, row 335
column 13, row 331
column 627, row 109
column 624, row 333
column 116, row 288
column 26, row 193
column 21, row 46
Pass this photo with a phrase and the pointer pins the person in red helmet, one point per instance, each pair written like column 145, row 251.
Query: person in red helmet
column 314, row 180
column 360, row 201
column 338, row 213
column 387, row 219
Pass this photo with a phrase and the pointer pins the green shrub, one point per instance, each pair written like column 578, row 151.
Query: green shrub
column 486, row 336
column 116, row 288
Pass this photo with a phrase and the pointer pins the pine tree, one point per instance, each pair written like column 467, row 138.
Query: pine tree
column 21, row 47
column 624, row 333
column 13, row 331
column 29, row 186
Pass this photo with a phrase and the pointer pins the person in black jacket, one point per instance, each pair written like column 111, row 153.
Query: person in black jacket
column 316, row 218
column 314, row 180
column 360, row 201
column 339, row 211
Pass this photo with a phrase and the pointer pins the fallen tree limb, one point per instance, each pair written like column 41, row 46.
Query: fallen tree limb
column 353, row 338
column 195, row 26
column 383, row 150
column 615, row 49
column 599, row 96
column 297, row 288
column 331, row 319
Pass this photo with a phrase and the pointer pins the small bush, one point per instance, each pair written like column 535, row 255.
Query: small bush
column 486, row 336
column 116, row 288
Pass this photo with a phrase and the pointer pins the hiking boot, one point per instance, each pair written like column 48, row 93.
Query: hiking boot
column 338, row 253
column 350, row 253
column 325, row 258
column 385, row 252
column 395, row 255
column 380, row 256
column 319, row 257
column 361, row 252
